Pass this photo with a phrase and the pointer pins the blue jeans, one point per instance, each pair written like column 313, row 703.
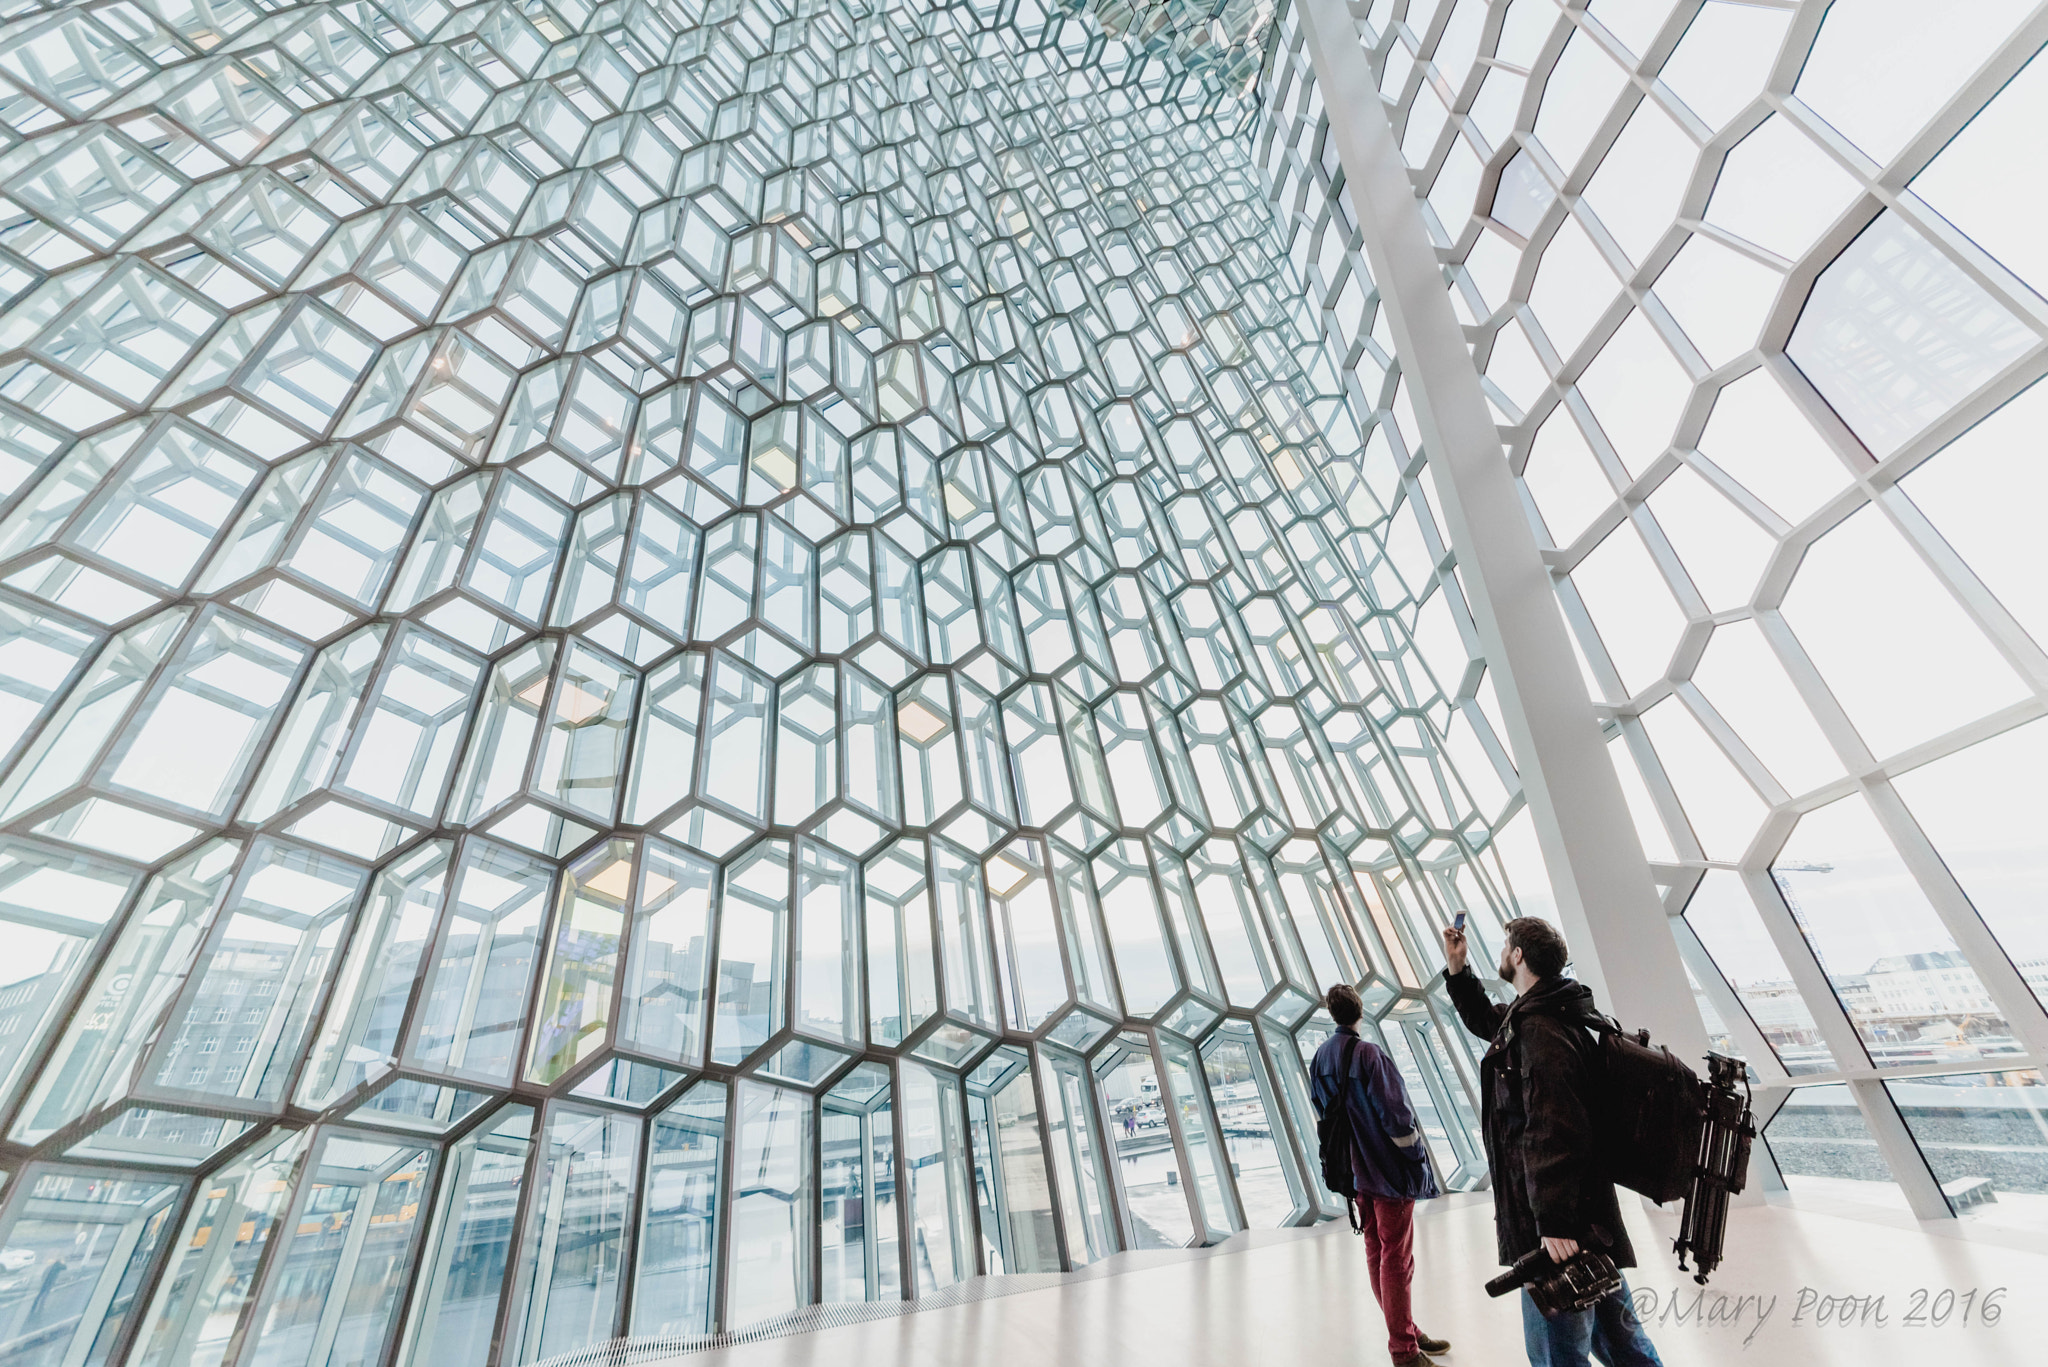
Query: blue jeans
column 1609, row 1330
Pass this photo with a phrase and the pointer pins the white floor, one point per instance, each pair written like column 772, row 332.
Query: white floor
column 1302, row 1299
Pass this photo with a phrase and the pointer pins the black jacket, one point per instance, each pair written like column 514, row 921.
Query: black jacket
column 1537, row 1106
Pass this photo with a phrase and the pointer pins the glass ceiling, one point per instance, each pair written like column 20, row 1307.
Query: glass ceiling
column 672, row 660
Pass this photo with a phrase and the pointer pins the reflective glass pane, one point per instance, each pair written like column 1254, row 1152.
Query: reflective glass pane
column 1729, row 926
column 673, row 1284
column 1910, row 993
column 1148, row 1168
column 455, row 1304
column 935, row 1164
column 211, row 1277
column 473, row 999
column 1268, row 1185
column 1010, row 1173
column 572, row 1253
column 1981, row 1133
column 1982, row 809
column 92, row 1238
column 332, row 1289
column 769, row 1248
column 1822, row 1144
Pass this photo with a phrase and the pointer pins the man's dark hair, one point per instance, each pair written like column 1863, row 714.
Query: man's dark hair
column 1344, row 1003
column 1543, row 949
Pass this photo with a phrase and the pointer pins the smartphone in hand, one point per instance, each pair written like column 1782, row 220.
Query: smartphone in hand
column 1458, row 923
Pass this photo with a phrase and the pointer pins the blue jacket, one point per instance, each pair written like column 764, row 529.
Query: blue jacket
column 1388, row 1157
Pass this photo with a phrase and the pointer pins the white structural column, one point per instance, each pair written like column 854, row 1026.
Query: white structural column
column 1613, row 917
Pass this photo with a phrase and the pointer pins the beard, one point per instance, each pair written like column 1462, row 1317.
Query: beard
column 1507, row 974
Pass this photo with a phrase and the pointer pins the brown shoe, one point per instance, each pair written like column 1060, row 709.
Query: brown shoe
column 1430, row 1345
column 1414, row 1360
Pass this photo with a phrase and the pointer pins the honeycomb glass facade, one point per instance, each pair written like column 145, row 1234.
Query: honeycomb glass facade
column 669, row 661
column 1756, row 290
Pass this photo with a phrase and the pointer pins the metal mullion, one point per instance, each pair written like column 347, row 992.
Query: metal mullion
column 998, row 1190
column 815, row 1205
column 547, row 1244
column 636, row 1216
column 1900, row 1151
column 1438, row 1087
column 1226, row 1168
column 308, row 511
column 906, row 1221
column 1148, row 869
column 265, row 738
column 721, row 1283
column 323, row 988
column 1982, row 607
column 1182, row 1157
column 1114, row 1204
column 1818, row 698
column 977, row 1263
column 160, row 1261
column 1063, row 1245
column 637, row 885
column 1461, row 1066
column 146, row 1293
column 316, row 1015
column 864, row 1178
column 544, row 717
column 444, row 1182
column 537, row 980
column 465, row 1016
column 59, row 534
column 522, row 1216
column 346, row 1263
column 1226, row 1161
column 1066, row 922
column 431, row 950
column 472, row 550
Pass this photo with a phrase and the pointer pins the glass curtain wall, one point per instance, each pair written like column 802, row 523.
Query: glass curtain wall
column 625, row 625
column 1757, row 297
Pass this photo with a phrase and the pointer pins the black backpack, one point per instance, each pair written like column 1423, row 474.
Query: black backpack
column 1333, row 1140
column 1654, row 1109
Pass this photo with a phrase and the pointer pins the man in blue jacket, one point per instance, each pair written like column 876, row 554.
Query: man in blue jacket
column 1389, row 1165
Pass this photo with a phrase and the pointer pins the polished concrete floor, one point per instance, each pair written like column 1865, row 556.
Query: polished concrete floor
column 1300, row 1297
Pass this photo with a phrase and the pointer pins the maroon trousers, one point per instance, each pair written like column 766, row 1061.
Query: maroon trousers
column 1390, row 1254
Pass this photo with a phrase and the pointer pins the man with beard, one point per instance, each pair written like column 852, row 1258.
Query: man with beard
column 1539, row 1100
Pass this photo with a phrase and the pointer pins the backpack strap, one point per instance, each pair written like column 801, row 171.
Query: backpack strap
column 1350, row 1056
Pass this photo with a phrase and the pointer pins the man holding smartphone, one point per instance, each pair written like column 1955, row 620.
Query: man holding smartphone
column 1537, row 1108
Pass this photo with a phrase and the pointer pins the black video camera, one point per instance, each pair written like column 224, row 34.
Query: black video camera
column 1558, row 1288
